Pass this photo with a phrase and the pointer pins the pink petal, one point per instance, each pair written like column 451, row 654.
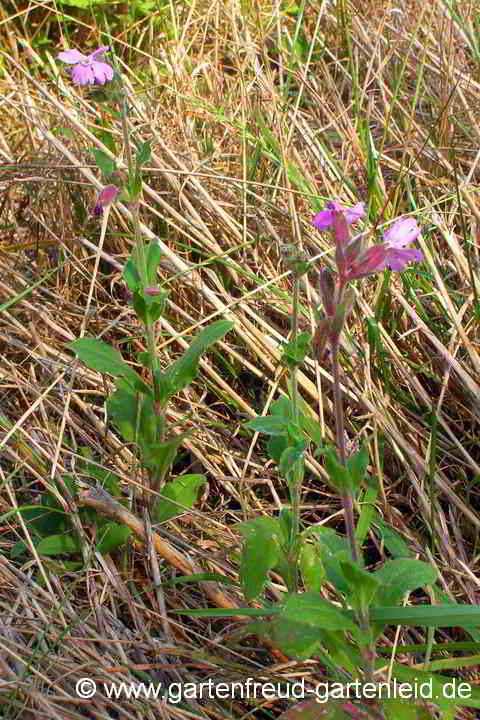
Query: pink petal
column 71, row 57
column 355, row 213
column 83, row 75
column 323, row 220
column 99, row 51
column 371, row 262
column 334, row 205
column 102, row 72
column 402, row 232
column 397, row 259
column 106, row 196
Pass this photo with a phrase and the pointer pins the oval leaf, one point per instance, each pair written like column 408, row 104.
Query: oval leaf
column 97, row 355
column 111, row 536
column 57, row 545
column 400, row 576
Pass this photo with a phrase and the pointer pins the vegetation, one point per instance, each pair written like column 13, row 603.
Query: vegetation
column 236, row 446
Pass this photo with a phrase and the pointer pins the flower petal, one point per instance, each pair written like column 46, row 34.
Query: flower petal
column 98, row 52
column 371, row 262
column 397, row 259
column 106, row 197
column 402, row 232
column 101, row 72
column 355, row 213
column 83, row 75
column 324, row 219
column 71, row 57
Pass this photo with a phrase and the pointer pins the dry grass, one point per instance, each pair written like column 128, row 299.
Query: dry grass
column 254, row 113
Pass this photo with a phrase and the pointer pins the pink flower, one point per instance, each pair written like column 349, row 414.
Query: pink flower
column 391, row 253
column 106, row 197
column 352, row 259
column 324, row 220
column 86, row 69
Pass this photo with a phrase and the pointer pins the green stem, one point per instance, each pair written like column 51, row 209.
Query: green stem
column 347, row 497
column 296, row 483
column 142, row 269
column 368, row 653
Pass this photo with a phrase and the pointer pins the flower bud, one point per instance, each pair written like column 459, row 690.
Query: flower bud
column 341, row 237
column 327, row 290
column 106, row 197
column 342, row 311
column 355, row 249
column 321, row 337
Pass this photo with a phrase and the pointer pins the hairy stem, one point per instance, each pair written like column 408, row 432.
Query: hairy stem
column 347, row 497
column 142, row 264
column 296, row 483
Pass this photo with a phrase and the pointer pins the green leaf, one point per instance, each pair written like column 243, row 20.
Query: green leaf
column 111, row 536
column 403, row 575
column 394, row 542
column 341, row 650
column 149, row 308
column 107, row 139
column 131, row 274
column 83, row 4
column 283, row 408
column 367, row 512
column 290, row 457
column 295, row 639
column 183, row 491
column 296, row 436
column 134, row 186
column 18, row 549
column 396, row 709
column 312, row 427
column 97, row 355
column 312, row 610
column 163, row 455
column 144, row 153
column 442, row 598
column 363, row 585
column 104, row 162
column 106, row 478
column 443, row 690
column 57, row 545
column 45, row 519
column 275, row 446
column 135, row 417
column 295, row 352
column 428, row 615
column 311, row 566
column 182, row 372
column 357, row 466
column 270, row 425
column 153, row 254
column 286, row 523
column 338, row 474
column 262, row 550
column 333, row 549
column 331, row 540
